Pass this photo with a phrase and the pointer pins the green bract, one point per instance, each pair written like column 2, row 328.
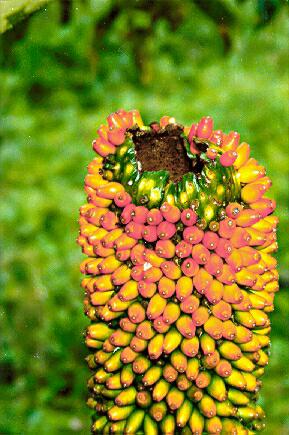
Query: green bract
column 209, row 190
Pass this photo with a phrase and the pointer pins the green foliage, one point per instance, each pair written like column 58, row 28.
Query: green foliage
column 62, row 72
column 13, row 11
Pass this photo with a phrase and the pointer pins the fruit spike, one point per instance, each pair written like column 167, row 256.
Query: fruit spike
column 179, row 280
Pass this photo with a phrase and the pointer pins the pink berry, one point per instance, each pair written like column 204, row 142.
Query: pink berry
column 205, row 127
column 189, row 217
column 228, row 158
column 166, row 230
column 140, row 214
column 122, row 199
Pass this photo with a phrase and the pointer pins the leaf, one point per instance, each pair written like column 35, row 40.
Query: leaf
column 13, row 11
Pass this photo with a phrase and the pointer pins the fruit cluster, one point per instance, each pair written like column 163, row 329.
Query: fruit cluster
column 178, row 295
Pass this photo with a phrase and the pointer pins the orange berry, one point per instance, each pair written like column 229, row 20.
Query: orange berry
column 214, row 292
column 171, row 270
column 154, row 217
column 183, row 249
column 210, row 240
column 228, row 158
column 166, row 287
column 243, row 151
column 190, row 304
column 233, row 210
column 134, row 230
column 200, row 254
column 200, row 316
column 230, row 141
column 205, row 127
column 214, row 265
column 137, row 254
column 184, row 287
column 202, row 280
column 193, row 235
column 103, row 147
column 166, row 230
column 140, row 214
column 222, row 310
column 171, row 213
column 248, row 217
column 189, row 267
column 214, row 327
column 147, row 289
column 165, row 248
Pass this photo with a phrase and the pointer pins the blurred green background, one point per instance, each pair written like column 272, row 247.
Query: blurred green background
column 63, row 70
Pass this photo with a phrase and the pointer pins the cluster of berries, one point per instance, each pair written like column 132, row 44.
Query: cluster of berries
column 180, row 326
